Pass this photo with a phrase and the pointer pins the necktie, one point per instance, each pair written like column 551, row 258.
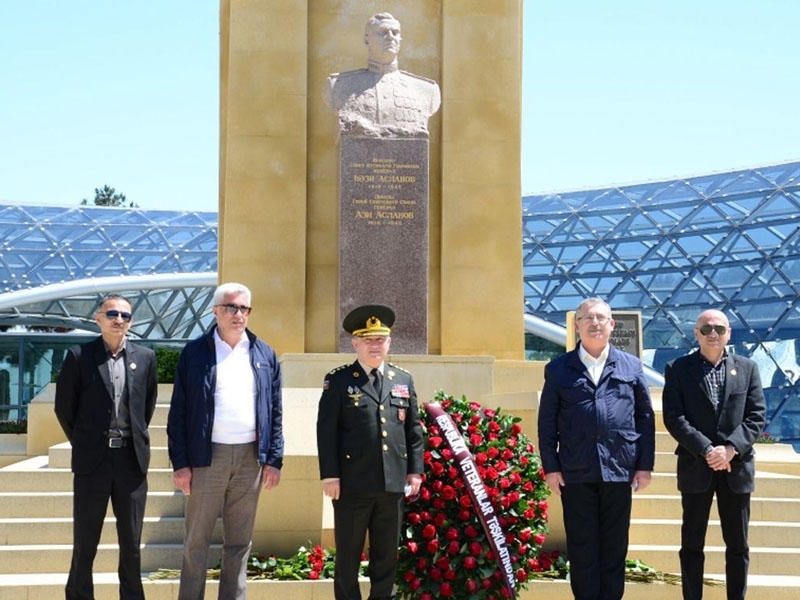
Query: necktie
column 376, row 382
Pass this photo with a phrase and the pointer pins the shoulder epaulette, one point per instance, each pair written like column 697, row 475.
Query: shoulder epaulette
column 394, row 366
column 337, row 369
column 420, row 77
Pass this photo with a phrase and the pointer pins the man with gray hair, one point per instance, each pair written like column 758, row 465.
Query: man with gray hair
column 597, row 443
column 381, row 100
column 225, row 440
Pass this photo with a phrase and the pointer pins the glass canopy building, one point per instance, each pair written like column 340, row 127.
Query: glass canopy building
column 671, row 249
column 668, row 249
column 57, row 262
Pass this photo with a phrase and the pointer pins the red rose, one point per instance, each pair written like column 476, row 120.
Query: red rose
column 470, row 562
column 475, row 548
column 435, row 442
column 471, row 532
column 538, row 538
column 429, row 531
column 475, row 439
column 451, row 533
column 415, row 583
column 472, row 586
column 432, row 546
column 453, row 548
column 446, row 590
column 448, row 492
column 412, row 547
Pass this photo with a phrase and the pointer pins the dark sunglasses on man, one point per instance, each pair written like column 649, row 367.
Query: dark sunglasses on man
column 707, row 329
column 113, row 314
column 232, row 309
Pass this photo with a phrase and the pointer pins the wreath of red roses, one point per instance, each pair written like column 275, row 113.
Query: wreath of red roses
column 444, row 551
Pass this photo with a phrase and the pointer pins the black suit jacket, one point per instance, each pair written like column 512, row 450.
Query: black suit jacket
column 369, row 443
column 690, row 417
column 84, row 401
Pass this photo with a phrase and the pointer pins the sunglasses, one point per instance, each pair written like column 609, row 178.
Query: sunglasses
column 113, row 314
column 232, row 309
column 707, row 329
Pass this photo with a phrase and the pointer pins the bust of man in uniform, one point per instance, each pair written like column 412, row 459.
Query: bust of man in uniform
column 381, row 100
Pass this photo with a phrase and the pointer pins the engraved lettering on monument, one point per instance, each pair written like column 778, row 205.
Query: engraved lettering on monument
column 383, row 185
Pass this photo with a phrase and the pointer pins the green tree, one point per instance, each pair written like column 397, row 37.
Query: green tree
column 108, row 196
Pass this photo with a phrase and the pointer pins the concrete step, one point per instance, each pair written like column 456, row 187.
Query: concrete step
column 668, row 506
column 25, row 587
column 27, row 558
column 59, row 504
column 60, row 480
column 783, row 561
column 59, row 456
column 761, row 533
column 773, row 485
column 52, row 530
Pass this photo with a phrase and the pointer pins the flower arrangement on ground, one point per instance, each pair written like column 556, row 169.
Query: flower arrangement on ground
column 445, row 551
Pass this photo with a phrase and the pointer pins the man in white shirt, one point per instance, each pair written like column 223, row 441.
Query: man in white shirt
column 225, row 440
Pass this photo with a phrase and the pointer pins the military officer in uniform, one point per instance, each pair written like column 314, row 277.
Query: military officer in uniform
column 369, row 442
column 382, row 101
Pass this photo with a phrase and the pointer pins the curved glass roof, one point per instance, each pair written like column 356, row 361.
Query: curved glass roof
column 670, row 249
column 48, row 245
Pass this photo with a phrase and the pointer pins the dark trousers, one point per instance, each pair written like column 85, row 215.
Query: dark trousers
column 119, row 478
column 734, row 516
column 354, row 515
column 596, row 519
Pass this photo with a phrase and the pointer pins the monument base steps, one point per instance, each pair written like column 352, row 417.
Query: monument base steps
column 36, row 505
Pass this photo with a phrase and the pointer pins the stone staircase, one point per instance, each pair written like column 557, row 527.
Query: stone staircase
column 36, row 529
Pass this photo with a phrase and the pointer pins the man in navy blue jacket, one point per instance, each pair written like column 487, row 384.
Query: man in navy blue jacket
column 225, row 440
column 597, row 443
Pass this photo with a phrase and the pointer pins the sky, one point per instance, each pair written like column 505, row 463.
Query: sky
column 126, row 94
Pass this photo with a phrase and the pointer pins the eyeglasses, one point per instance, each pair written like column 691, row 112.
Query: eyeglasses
column 600, row 319
column 232, row 309
column 707, row 329
column 113, row 314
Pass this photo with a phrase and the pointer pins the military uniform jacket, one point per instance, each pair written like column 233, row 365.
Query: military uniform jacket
column 369, row 443
column 393, row 103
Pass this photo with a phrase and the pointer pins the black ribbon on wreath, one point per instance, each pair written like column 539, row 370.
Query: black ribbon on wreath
column 476, row 489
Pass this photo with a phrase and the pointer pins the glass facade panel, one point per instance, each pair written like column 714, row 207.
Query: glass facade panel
column 670, row 249
column 44, row 245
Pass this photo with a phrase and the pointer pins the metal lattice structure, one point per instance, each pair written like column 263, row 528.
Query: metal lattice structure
column 673, row 248
column 47, row 246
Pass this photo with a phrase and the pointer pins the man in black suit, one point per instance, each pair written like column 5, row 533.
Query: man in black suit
column 105, row 397
column 714, row 406
column 369, row 442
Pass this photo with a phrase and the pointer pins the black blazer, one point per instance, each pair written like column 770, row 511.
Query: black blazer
column 690, row 417
column 369, row 443
column 84, row 401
